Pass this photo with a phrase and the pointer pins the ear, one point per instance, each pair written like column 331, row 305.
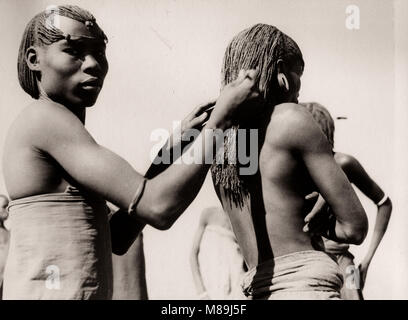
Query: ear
column 282, row 66
column 32, row 58
column 281, row 76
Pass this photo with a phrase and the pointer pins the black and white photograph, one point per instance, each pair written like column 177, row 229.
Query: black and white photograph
column 227, row 150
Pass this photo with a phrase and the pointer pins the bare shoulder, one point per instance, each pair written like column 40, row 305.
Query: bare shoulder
column 350, row 165
column 291, row 125
column 43, row 122
column 209, row 215
column 346, row 161
column 47, row 114
column 205, row 216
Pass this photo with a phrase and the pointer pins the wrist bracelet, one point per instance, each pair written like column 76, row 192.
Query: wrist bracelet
column 137, row 196
column 382, row 201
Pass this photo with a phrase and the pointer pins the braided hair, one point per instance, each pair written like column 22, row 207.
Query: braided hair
column 258, row 47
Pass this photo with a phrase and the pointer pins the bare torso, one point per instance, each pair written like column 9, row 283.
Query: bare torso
column 271, row 221
column 27, row 169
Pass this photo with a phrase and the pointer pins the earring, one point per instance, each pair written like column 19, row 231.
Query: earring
column 283, row 81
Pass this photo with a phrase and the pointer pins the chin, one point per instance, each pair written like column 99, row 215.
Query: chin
column 88, row 101
column 89, row 104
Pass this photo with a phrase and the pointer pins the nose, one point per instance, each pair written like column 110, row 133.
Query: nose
column 92, row 66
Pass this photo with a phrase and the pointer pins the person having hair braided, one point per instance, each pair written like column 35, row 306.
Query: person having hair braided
column 267, row 208
column 58, row 177
column 357, row 175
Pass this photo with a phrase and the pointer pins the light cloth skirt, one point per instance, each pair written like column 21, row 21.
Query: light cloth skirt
column 304, row 275
column 60, row 248
column 221, row 264
column 345, row 259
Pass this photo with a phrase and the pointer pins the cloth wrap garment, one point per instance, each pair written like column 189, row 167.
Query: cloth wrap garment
column 345, row 259
column 303, row 275
column 60, row 248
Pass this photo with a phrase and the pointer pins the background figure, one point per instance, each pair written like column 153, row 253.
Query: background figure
column 353, row 281
column 129, row 273
column 129, row 270
column 216, row 260
column 4, row 238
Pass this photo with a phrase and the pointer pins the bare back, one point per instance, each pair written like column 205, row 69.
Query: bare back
column 271, row 221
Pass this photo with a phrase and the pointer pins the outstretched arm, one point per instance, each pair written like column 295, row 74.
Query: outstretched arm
column 305, row 138
column 105, row 173
column 359, row 177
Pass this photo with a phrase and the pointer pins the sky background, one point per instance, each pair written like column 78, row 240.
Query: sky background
column 165, row 59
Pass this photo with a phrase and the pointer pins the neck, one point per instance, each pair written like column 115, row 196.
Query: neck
column 258, row 118
column 80, row 112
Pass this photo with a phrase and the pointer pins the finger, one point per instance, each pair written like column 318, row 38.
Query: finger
column 210, row 110
column 306, row 228
column 308, row 217
column 311, row 215
column 249, row 84
column 318, row 209
column 241, row 75
column 198, row 120
column 316, row 228
column 200, row 109
column 312, row 226
column 204, row 123
column 252, row 74
column 203, row 108
column 312, row 195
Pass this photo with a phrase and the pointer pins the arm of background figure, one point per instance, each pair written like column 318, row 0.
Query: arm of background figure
column 194, row 263
column 359, row 177
column 302, row 136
